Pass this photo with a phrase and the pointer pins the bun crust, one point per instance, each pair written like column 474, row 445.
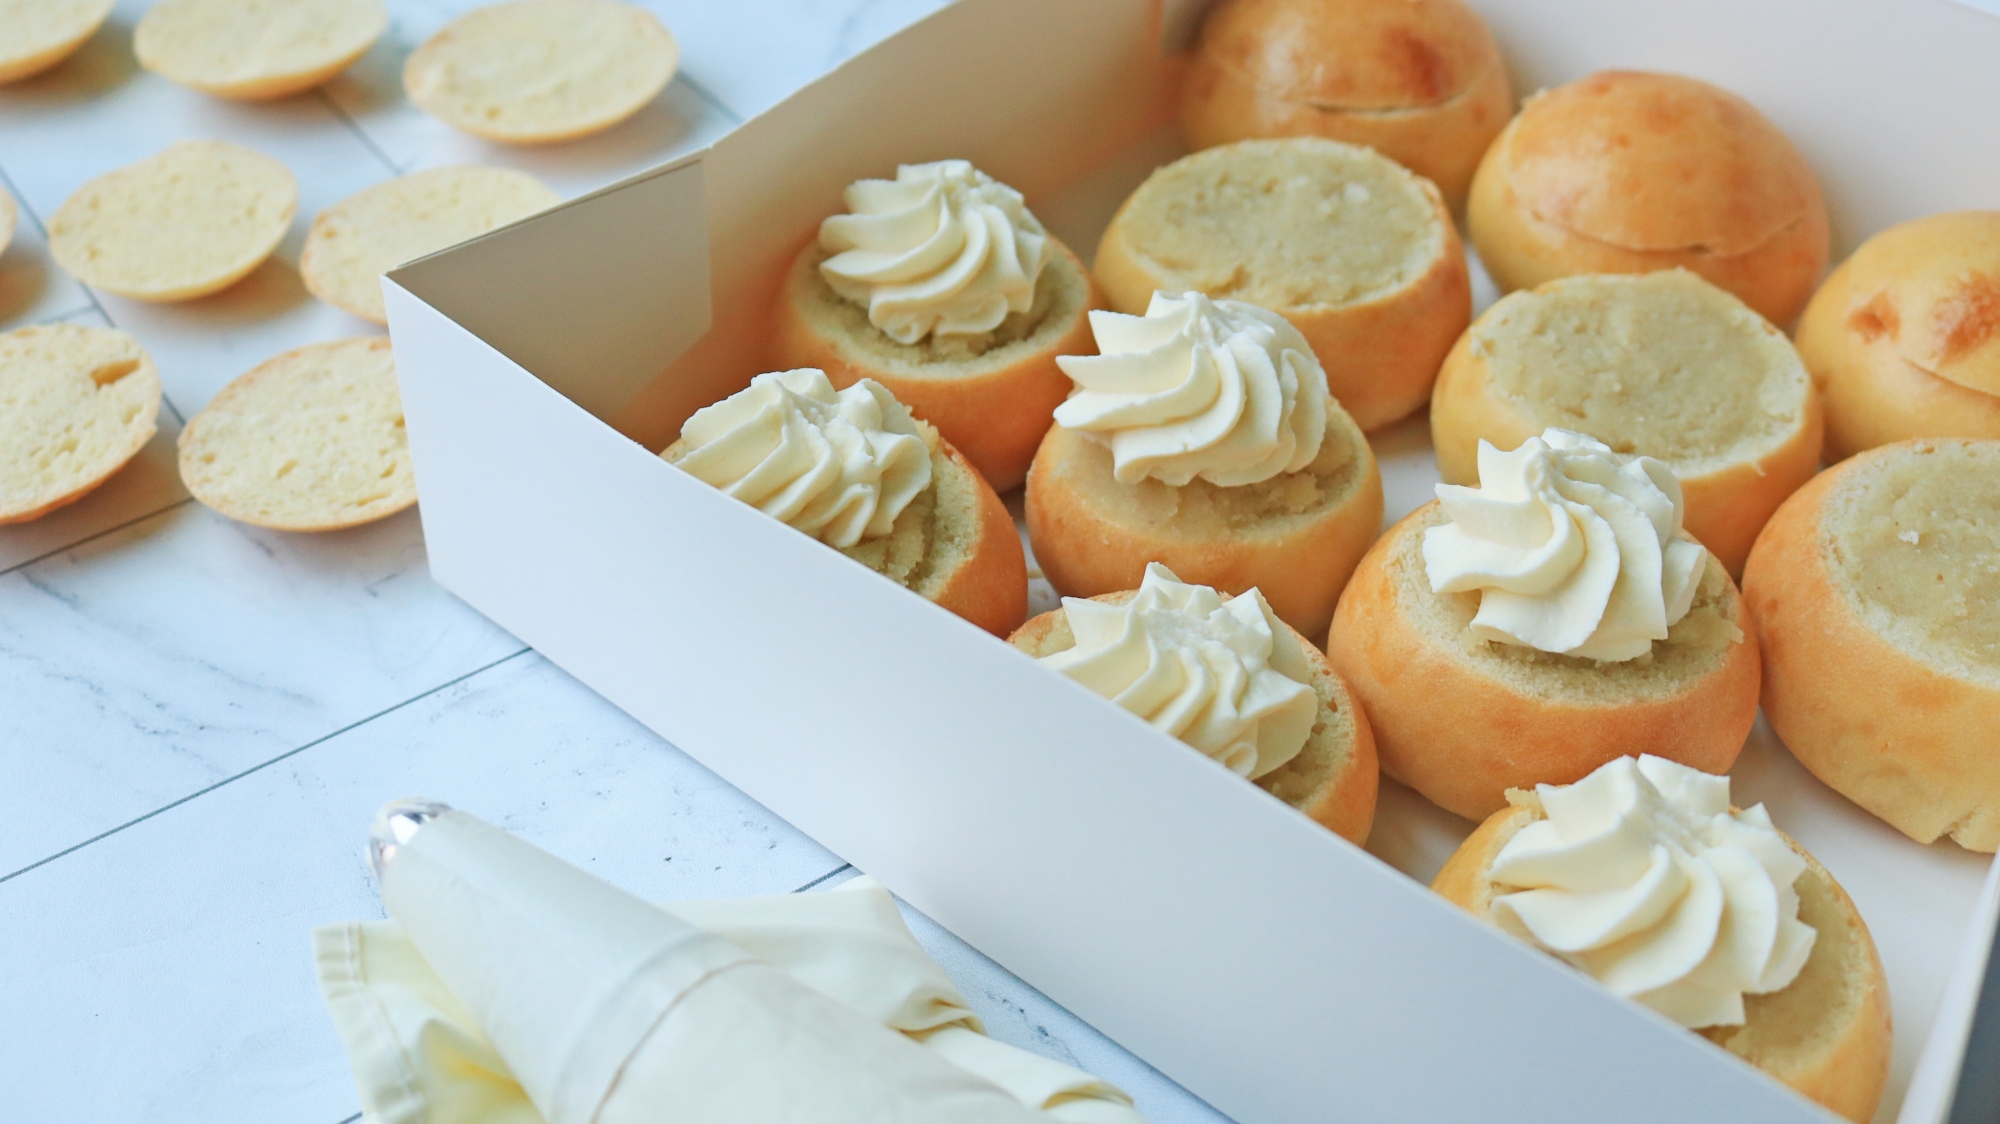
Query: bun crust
column 1903, row 340
column 989, row 584
column 1093, row 537
column 1826, row 1035
column 1420, row 82
column 1725, row 506
column 1901, row 736
column 1631, row 172
column 1462, row 729
column 1333, row 780
column 1381, row 352
column 993, row 407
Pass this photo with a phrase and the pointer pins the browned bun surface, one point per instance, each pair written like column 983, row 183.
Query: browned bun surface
column 992, row 396
column 1419, row 81
column 1632, row 171
column 1904, row 337
column 1875, row 592
column 1826, row 1034
column 1462, row 720
column 1333, row 779
column 1296, row 537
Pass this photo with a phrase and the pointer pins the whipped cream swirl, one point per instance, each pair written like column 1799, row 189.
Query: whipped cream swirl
column 1222, row 390
column 1643, row 877
column 941, row 249
column 1223, row 676
column 1573, row 548
column 838, row 466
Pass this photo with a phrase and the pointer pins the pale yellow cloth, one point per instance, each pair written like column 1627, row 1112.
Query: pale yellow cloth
column 419, row 1057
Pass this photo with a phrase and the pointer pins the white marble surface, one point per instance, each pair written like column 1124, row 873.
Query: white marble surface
column 197, row 717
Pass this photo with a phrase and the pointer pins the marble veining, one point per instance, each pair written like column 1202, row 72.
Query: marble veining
column 198, row 717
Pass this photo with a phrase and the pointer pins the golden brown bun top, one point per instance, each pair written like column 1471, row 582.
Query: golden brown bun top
column 1932, row 285
column 1352, row 54
column 1649, row 161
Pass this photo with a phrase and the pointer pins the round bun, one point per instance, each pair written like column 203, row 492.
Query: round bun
column 1663, row 364
column 255, row 49
column 541, row 71
column 954, row 544
column 355, row 241
column 1296, row 537
column 1351, row 247
column 1333, row 780
column 76, row 403
column 1826, row 1034
column 177, row 225
column 1904, row 337
column 42, row 33
column 1875, row 593
column 1629, row 172
column 1421, row 82
column 991, row 396
column 1462, row 720
column 311, row 440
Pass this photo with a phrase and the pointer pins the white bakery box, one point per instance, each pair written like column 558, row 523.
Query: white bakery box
column 1265, row 964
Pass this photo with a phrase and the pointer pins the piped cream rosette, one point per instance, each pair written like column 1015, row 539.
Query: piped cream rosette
column 943, row 249
column 1573, row 548
column 1202, row 436
column 838, row 465
column 512, row 987
column 1222, row 390
column 1211, row 671
column 1643, row 876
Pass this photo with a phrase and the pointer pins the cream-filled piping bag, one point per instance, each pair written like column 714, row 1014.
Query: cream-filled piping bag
column 608, row 1009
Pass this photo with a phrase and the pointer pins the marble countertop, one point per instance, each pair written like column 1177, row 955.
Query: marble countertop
column 197, row 717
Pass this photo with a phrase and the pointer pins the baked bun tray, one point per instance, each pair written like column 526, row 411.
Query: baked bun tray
column 1267, row 965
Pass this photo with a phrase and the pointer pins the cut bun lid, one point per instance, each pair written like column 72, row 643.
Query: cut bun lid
column 1354, row 55
column 608, row 1010
column 1654, row 162
column 1932, row 285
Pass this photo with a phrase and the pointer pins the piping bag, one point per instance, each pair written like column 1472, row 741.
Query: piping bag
column 609, row 1010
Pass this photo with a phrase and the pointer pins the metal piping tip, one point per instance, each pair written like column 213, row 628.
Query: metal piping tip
column 396, row 823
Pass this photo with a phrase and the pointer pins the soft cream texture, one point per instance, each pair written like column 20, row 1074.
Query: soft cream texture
column 1208, row 671
column 75, row 404
column 256, row 48
column 943, row 249
column 839, row 466
column 355, row 241
column 179, row 224
column 1573, row 549
column 1643, row 876
column 1222, row 390
column 511, row 986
